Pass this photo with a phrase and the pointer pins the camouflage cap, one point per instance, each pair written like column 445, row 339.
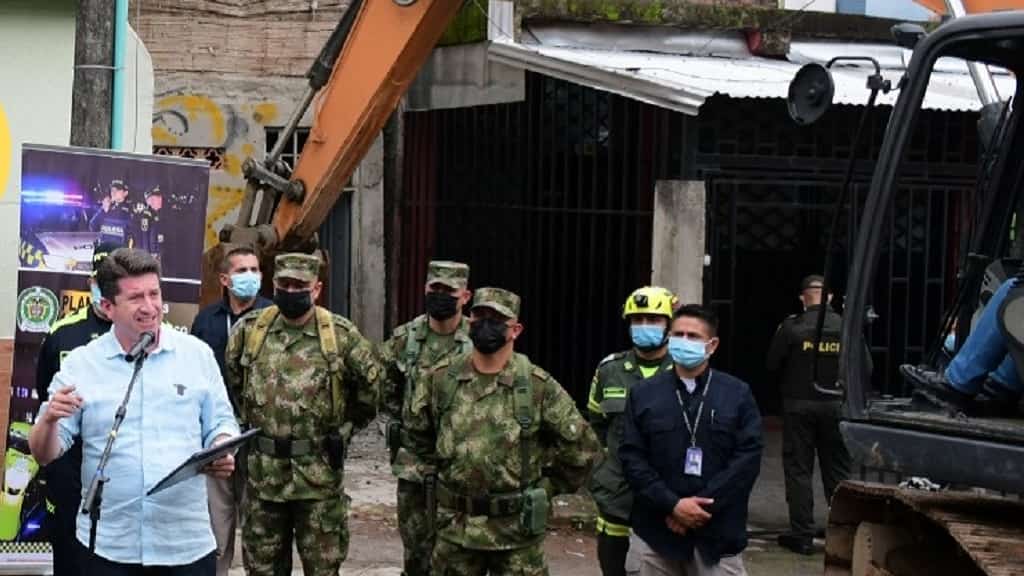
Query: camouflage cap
column 304, row 267
column 498, row 299
column 454, row 275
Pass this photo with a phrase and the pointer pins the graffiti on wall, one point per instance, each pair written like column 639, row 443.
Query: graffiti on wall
column 198, row 126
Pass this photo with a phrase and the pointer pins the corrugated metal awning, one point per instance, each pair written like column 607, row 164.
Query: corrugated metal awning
column 684, row 82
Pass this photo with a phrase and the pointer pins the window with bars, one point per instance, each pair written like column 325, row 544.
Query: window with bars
column 291, row 152
column 336, row 231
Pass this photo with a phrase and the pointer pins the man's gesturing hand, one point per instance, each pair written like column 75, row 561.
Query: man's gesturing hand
column 62, row 404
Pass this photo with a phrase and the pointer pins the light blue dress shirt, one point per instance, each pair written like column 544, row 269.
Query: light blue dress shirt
column 179, row 405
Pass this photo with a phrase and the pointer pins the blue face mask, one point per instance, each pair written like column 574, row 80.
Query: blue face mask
column 96, row 296
column 687, row 353
column 950, row 343
column 647, row 337
column 245, row 285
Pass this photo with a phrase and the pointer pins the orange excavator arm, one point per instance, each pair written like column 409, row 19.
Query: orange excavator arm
column 362, row 72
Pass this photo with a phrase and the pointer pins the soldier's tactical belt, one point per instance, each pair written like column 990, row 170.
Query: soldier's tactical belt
column 498, row 505
column 288, row 448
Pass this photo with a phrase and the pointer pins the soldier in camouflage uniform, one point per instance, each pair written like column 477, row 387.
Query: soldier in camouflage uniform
column 309, row 380
column 649, row 312
column 413, row 348
column 504, row 438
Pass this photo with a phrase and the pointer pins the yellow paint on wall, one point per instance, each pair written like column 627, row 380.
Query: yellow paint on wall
column 265, row 113
column 162, row 135
column 194, row 107
column 223, row 199
column 5, row 151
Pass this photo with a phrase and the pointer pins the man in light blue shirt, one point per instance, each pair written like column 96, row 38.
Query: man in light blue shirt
column 179, row 405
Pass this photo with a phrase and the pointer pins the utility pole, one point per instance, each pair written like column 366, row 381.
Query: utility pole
column 92, row 92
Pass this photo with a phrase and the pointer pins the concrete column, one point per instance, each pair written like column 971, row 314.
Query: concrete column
column 678, row 239
column 367, row 290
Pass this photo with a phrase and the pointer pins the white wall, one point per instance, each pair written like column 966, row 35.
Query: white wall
column 137, row 129
column 37, row 54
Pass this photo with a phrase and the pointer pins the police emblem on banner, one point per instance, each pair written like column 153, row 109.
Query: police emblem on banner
column 38, row 307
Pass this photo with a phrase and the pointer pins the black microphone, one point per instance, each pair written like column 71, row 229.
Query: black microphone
column 146, row 340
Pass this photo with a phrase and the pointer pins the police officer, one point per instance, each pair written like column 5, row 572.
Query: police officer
column 648, row 311
column 413, row 348
column 113, row 220
column 505, row 437
column 308, row 380
column 810, row 418
column 63, row 475
column 148, row 225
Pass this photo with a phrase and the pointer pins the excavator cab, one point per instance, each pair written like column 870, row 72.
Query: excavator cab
column 903, row 435
column 967, row 518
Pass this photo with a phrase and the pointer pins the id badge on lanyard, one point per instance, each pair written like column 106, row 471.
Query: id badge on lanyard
column 693, row 464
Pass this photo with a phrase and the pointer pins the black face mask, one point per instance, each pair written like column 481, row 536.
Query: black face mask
column 441, row 306
column 293, row 304
column 488, row 335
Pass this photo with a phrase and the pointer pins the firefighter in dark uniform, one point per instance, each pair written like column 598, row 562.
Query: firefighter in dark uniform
column 63, row 475
column 147, row 223
column 648, row 311
column 114, row 220
column 810, row 418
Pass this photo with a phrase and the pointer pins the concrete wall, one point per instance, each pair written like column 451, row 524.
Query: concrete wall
column 368, row 289
column 35, row 99
column 227, row 117
column 678, row 241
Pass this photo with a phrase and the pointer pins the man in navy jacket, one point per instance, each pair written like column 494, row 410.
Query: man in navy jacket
column 691, row 452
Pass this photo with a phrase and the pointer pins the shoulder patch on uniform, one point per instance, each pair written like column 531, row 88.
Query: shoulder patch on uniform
column 402, row 330
column 611, row 358
column 251, row 315
column 344, row 323
column 540, row 373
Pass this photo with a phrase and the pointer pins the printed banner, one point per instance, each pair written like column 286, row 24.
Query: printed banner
column 72, row 199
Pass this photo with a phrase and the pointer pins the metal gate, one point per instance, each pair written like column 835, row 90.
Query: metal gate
column 765, row 234
column 551, row 198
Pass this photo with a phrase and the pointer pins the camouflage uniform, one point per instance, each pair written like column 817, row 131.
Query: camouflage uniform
column 287, row 391
column 412, row 349
column 465, row 423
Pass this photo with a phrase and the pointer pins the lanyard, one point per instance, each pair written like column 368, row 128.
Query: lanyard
column 692, row 428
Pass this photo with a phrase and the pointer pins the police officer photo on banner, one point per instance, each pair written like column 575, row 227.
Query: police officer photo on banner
column 78, row 205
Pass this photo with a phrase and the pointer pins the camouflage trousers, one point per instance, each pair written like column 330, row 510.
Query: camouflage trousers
column 414, row 525
column 320, row 529
column 454, row 560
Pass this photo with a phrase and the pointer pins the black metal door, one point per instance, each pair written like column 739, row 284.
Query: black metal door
column 765, row 234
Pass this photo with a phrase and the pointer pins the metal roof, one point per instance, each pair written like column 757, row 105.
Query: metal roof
column 683, row 82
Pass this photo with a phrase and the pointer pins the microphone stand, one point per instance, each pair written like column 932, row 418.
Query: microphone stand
column 94, row 497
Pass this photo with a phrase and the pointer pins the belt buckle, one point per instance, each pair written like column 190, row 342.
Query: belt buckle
column 282, row 447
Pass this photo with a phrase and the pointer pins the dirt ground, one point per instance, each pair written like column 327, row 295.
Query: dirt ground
column 376, row 548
